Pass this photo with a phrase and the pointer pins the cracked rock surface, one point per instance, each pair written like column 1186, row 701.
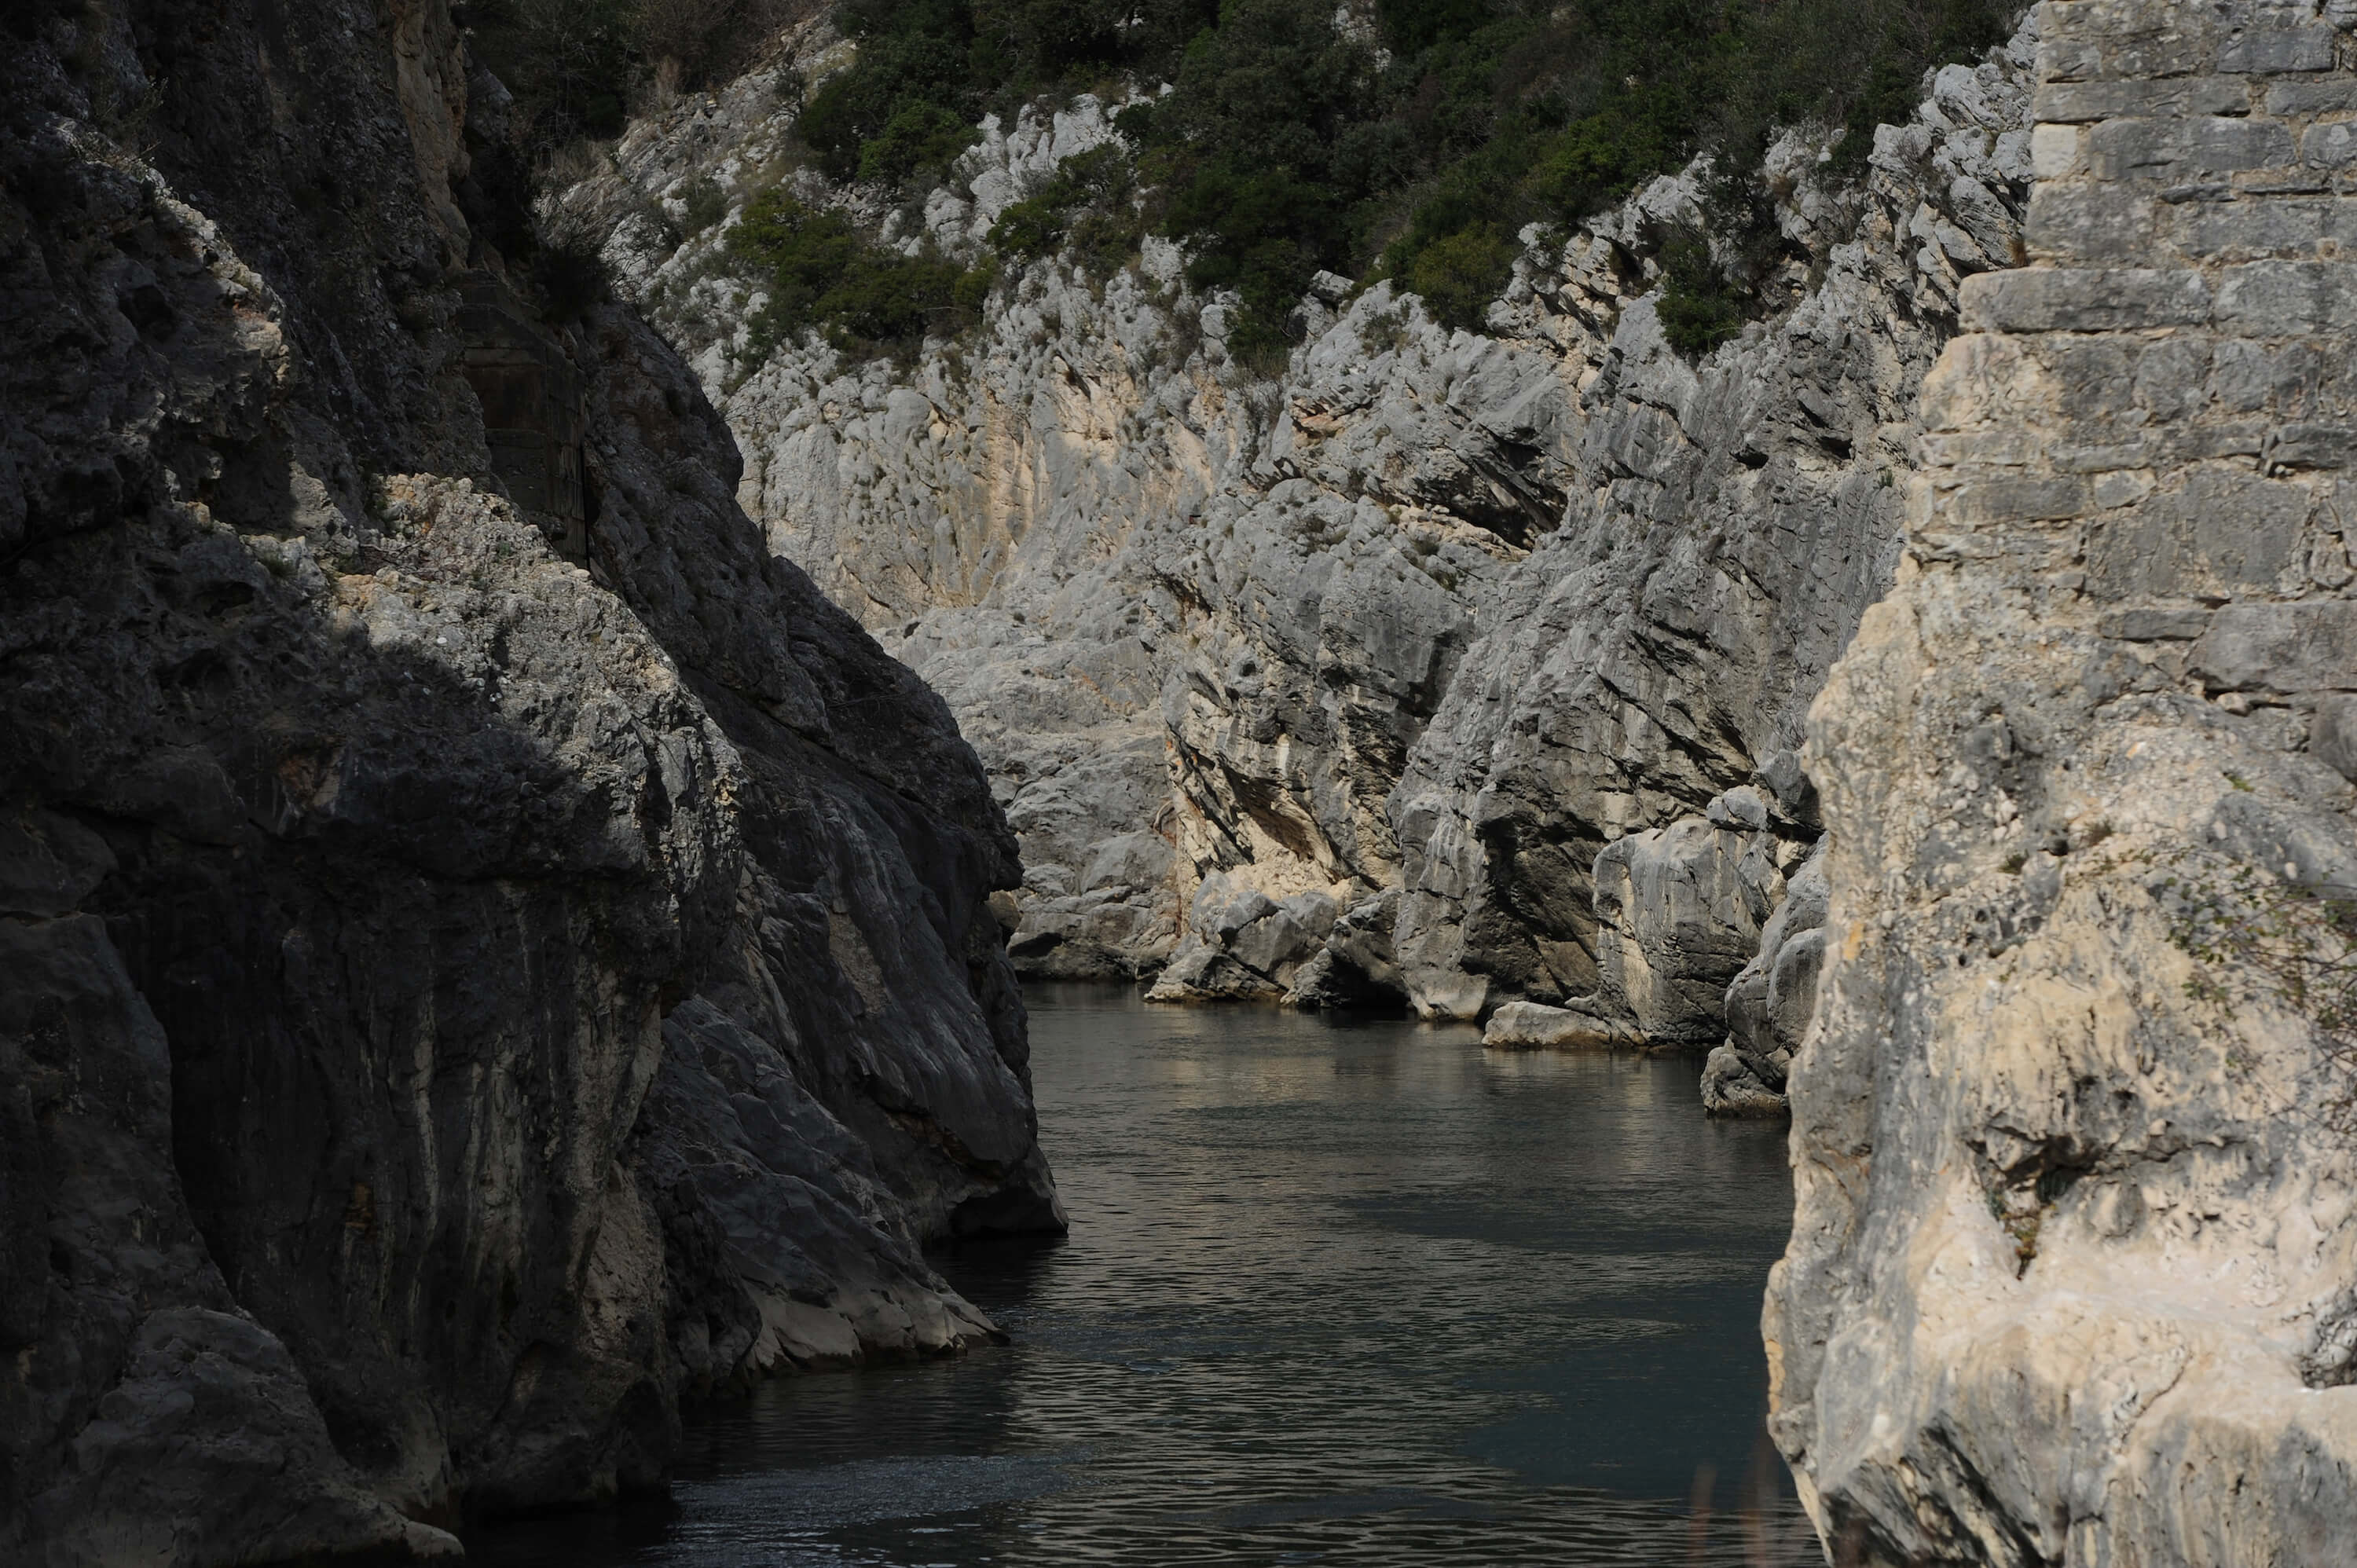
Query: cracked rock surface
column 1417, row 627
column 2069, row 1271
column 486, row 948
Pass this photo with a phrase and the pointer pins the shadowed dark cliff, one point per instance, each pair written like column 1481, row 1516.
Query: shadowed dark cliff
column 487, row 946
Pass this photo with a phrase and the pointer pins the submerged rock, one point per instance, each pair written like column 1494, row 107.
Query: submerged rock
column 1528, row 1024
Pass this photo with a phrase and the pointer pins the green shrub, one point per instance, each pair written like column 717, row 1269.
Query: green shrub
column 705, row 203
column 1029, row 227
column 1459, row 276
column 914, row 56
column 1700, row 306
column 1287, row 146
column 820, row 271
column 974, row 285
column 1262, row 160
column 1089, row 203
column 919, row 138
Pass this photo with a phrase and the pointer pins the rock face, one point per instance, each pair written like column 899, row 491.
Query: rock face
column 1406, row 635
column 1679, row 911
column 2070, row 1274
column 1729, row 521
column 455, row 996
column 1770, row 1001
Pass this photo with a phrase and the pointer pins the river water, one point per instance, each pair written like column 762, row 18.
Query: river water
column 1354, row 1292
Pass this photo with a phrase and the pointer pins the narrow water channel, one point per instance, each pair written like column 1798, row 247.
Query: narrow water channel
column 1338, row 1291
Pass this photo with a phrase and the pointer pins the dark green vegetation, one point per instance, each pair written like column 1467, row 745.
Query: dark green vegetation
column 819, row 271
column 1418, row 152
column 1417, row 149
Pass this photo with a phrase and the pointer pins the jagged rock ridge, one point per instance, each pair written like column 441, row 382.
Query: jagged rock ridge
column 485, row 947
column 1336, row 686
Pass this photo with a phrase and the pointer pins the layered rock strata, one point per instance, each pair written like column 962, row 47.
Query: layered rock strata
column 1400, row 641
column 485, row 945
column 2070, row 1279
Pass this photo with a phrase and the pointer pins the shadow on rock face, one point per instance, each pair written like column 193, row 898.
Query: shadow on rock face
column 463, row 998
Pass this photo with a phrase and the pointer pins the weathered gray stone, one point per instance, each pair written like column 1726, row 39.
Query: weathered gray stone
column 1679, row 912
column 2070, row 102
column 1243, row 943
column 2322, row 95
column 1731, row 1089
column 2156, row 623
column 1523, row 1025
column 1357, row 967
column 2224, row 532
column 2068, row 1280
column 1432, row 612
column 145, row 1411
column 2266, row 300
column 2269, row 49
column 1664, row 640
column 1769, row 1004
column 2085, row 300
column 2172, row 150
column 2281, row 647
column 1793, row 799
column 2332, row 734
column 2243, row 230
column 372, row 838
column 2102, row 225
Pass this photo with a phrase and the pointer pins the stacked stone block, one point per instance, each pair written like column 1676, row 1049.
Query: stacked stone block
column 2072, row 1271
column 2165, row 410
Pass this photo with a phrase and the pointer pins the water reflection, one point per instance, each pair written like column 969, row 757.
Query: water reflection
column 1357, row 1293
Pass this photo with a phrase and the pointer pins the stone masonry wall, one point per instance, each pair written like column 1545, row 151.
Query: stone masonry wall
column 2071, row 1278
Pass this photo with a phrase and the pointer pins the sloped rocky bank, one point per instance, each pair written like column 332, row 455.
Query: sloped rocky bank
column 486, row 948
column 2070, row 1277
column 1334, row 686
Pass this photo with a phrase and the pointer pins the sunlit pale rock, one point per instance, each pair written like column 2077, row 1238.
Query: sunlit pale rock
column 2070, row 1277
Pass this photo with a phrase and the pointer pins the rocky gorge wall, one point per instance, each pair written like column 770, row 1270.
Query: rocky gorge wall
column 485, row 949
column 1336, row 686
column 2070, row 1277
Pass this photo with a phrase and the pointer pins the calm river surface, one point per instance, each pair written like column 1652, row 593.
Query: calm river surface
column 1349, row 1292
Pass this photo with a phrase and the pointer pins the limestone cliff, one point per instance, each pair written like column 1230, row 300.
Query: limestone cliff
column 1335, row 686
column 485, row 945
column 2070, row 1277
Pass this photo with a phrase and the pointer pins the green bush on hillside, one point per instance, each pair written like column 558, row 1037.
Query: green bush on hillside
column 704, row 204
column 1700, row 306
column 1089, row 207
column 918, row 137
column 1289, row 146
column 1459, row 276
column 820, row 271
